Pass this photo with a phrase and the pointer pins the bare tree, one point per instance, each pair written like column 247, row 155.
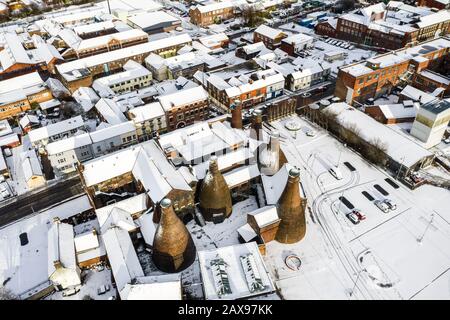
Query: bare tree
column 6, row 294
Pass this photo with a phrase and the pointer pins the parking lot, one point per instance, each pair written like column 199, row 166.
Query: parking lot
column 381, row 254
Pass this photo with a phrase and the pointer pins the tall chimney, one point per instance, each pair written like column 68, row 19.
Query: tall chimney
column 173, row 248
column 215, row 195
column 291, row 210
column 236, row 114
column 270, row 156
column 257, row 125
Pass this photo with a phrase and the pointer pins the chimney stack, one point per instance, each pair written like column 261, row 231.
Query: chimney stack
column 173, row 247
column 291, row 210
column 236, row 115
column 257, row 125
column 215, row 195
column 270, row 156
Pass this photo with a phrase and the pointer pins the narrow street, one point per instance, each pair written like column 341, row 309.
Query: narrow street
column 29, row 203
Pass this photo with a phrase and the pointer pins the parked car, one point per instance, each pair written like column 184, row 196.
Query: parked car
column 353, row 218
column 70, row 292
column 103, row 289
column 310, row 133
column 382, row 206
column 306, row 95
column 416, row 177
column 358, row 213
column 336, row 172
column 391, row 204
column 447, row 141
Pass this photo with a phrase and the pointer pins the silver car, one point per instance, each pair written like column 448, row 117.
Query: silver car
column 391, row 204
column 382, row 206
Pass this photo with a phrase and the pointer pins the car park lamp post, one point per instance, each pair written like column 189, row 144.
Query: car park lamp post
column 401, row 167
column 340, row 154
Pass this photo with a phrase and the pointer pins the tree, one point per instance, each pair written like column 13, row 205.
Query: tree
column 376, row 153
column 251, row 17
column 6, row 294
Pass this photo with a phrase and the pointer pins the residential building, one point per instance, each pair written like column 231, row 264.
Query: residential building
column 294, row 44
column 18, row 94
column 65, row 154
column 134, row 77
column 80, row 73
column 250, row 89
column 32, row 171
column 269, row 36
column 149, row 120
column 183, row 65
column 112, row 138
column 56, row 131
column 184, row 107
column 205, row 15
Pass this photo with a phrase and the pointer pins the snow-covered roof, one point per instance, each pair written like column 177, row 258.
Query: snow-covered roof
column 435, row 18
column 122, row 257
column 30, row 165
column 86, row 97
column 417, row 94
column 241, row 175
column 147, row 227
column 152, row 19
column 125, row 36
column 274, row 185
column 86, row 241
column 147, row 112
column 213, row 40
column 435, row 77
column 265, row 216
column 93, row 27
column 21, row 83
column 269, row 32
column 183, row 97
column 113, row 131
column 26, row 266
column 224, row 162
column 124, row 53
column 399, row 110
column 110, row 111
column 398, row 147
column 146, row 162
column 162, row 287
column 132, row 71
column 215, row 6
column 247, row 233
column 229, row 260
column 396, row 57
column 69, row 144
column 298, row 38
column 61, row 246
column 56, row 128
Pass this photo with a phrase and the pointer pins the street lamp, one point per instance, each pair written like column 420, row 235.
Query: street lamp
column 401, row 167
column 340, row 154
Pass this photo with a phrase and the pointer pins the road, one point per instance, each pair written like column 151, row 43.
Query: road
column 28, row 204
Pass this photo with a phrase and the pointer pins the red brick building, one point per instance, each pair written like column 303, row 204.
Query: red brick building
column 377, row 76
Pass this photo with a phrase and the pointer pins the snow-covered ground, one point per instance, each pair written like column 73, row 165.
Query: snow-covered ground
column 402, row 254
